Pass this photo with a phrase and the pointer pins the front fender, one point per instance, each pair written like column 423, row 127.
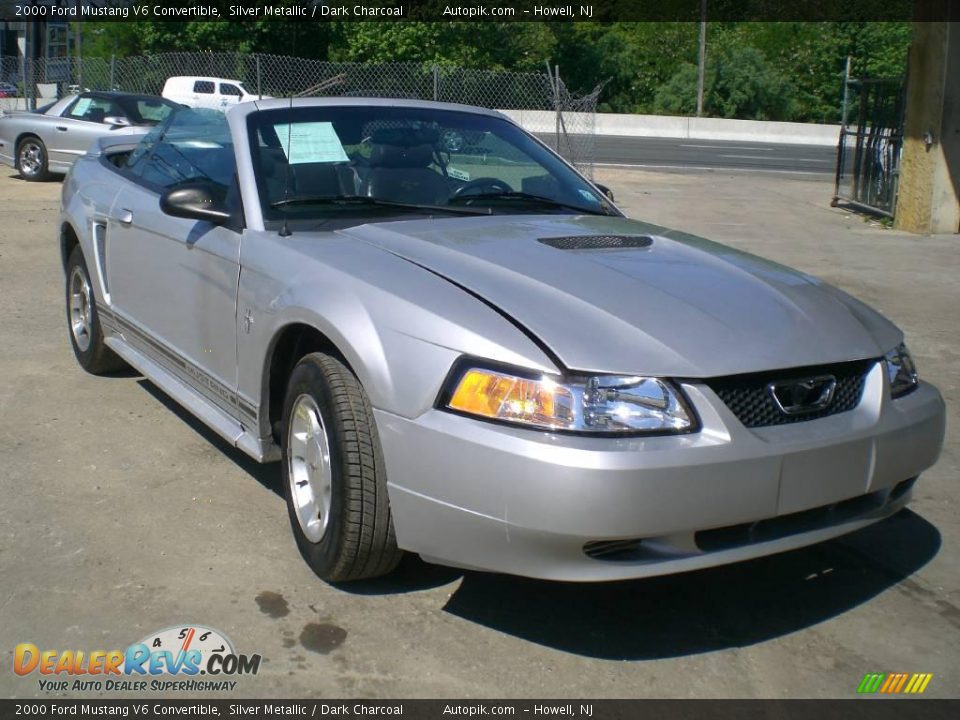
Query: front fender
column 399, row 326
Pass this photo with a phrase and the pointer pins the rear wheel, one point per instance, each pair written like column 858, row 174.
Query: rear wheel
column 334, row 478
column 32, row 159
column 83, row 321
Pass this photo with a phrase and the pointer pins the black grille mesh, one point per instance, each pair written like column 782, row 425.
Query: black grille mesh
column 748, row 398
column 597, row 242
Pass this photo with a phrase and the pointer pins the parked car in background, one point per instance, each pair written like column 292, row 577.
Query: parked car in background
column 475, row 356
column 50, row 139
column 7, row 90
column 207, row 92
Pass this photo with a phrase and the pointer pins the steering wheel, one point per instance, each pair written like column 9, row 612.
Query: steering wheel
column 483, row 183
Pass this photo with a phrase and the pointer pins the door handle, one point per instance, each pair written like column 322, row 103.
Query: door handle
column 125, row 217
column 61, row 128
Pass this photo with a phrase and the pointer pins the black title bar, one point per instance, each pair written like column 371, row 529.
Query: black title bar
column 481, row 10
column 874, row 709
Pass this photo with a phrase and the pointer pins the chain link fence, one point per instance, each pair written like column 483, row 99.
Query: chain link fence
column 540, row 102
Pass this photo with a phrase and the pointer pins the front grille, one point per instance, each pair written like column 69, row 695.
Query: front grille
column 597, row 242
column 749, row 399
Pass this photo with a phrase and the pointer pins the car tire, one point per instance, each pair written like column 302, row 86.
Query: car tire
column 334, row 478
column 32, row 159
column 83, row 321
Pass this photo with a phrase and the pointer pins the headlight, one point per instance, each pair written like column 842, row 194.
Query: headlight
column 602, row 404
column 901, row 372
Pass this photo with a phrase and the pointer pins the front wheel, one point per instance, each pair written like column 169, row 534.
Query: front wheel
column 32, row 160
column 334, row 479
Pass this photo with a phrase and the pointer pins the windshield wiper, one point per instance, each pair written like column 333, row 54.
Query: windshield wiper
column 517, row 195
column 364, row 200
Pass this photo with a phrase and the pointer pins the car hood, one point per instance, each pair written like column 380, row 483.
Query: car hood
column 682, row 306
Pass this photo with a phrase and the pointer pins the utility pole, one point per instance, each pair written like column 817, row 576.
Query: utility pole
column 79, row 48
column 702, row 56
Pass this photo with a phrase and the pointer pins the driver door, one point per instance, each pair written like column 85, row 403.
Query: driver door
column 173, row 281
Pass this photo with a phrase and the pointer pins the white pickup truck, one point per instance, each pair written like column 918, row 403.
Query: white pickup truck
column 207, row 92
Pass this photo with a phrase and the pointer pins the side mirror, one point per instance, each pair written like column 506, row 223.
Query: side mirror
column 196, row 201
column 606, row 191
column 116, row 121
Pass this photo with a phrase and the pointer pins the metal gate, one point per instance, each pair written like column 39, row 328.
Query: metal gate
column 868, row 156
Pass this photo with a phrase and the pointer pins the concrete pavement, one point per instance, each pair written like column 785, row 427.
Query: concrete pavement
column 122, row 515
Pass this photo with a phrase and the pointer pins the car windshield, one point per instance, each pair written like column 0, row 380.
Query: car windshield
column 317, row 162
column 193, row 144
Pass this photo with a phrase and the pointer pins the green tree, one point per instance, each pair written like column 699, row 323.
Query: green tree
column 635, row 59
column 813, row 56
column 639, row 62
column 738, row 83
column 103, row 39
column 490, row 46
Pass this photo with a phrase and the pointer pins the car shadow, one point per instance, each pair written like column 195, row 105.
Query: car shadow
column 267, row 474
column 54, row 177
column 661, row 617
column 411, row 575
column 707, row 610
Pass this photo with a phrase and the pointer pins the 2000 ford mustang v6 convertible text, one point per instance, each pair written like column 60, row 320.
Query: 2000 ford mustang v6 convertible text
column 459, row 347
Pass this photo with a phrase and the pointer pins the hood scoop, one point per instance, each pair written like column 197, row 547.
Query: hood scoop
column 597, row 242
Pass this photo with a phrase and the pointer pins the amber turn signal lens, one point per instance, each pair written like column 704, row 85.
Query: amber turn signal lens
column 506, row 397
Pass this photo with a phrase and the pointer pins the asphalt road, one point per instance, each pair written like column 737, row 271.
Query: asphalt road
column 684, row 153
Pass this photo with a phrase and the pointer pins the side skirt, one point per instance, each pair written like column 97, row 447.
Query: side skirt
column 217, row 419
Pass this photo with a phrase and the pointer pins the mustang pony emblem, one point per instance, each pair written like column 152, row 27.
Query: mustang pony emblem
column 796, row 397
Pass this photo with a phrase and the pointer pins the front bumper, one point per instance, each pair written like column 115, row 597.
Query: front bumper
column 477, row 495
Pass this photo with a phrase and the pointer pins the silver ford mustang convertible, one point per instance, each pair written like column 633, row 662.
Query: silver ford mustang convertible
column 457, row 346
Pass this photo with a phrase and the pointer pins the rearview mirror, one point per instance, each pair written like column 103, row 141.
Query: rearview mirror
column 606, row 191
column 196, row 201
column 115, row 121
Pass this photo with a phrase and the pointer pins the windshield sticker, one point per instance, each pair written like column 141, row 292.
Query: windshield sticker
column 458, row 174
column 83, row 104
column 312, row 142
column 587, row 195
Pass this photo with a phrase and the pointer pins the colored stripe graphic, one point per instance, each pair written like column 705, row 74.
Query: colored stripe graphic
column 871, row 682
column 890, row 682
column 894, row 683
column 922, row 684
column 900, row 682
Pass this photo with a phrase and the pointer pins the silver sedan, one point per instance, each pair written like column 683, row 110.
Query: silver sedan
column 50, row 140
column 458, row 346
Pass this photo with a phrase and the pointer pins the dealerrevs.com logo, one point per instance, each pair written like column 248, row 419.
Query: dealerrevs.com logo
column 172, row 659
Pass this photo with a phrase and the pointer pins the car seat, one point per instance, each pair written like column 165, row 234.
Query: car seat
column 402, row 174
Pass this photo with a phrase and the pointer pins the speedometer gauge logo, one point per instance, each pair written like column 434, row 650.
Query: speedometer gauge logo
column 201, row 642
column 188, row 650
